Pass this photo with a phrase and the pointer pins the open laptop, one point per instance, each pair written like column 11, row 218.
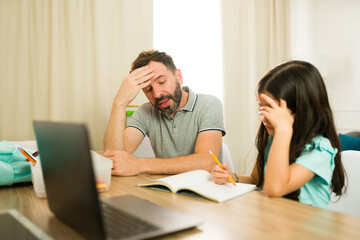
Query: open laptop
column 14, row 225
column 72, row 196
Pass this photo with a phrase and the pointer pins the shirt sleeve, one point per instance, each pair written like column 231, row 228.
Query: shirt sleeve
column 212, row 116
column 138, row 119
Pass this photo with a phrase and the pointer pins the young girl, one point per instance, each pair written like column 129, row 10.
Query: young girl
column 298, row 147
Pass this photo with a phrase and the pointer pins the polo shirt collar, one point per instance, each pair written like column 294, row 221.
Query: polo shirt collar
column 189, row 106
column 191, row 100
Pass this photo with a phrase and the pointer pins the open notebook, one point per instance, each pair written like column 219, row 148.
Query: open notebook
column 201, row 183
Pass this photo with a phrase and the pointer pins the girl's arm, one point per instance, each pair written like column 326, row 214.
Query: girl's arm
column 252, row 179
column 220, row 175
column 280, row 177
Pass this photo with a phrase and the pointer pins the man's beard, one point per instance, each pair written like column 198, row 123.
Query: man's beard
column 176, row 97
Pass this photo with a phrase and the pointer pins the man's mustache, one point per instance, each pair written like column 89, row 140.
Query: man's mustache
column 158, row 100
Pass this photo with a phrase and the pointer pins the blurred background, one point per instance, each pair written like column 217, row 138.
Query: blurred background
column 65, row 60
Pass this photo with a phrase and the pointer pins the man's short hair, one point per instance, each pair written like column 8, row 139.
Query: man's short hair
column 153, row 55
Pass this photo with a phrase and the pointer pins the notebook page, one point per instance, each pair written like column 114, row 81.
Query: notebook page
column 223, row 192
column 187, row 179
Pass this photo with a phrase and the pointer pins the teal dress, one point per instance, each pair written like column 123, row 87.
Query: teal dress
column 318, row 157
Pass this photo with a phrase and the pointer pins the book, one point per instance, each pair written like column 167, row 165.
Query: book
column 199, row 182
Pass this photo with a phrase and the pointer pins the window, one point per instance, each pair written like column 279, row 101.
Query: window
column 190, row 31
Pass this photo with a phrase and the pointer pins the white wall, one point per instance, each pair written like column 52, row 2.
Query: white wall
column 326, row 33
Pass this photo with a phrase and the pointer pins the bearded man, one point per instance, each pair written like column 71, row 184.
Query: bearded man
column 182, row 126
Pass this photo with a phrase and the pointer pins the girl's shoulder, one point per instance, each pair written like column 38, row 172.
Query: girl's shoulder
column 320, row 143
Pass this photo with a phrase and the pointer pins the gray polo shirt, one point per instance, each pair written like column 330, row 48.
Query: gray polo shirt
column 173, row 137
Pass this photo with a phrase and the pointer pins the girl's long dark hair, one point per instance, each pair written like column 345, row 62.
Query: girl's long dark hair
column 300, row 84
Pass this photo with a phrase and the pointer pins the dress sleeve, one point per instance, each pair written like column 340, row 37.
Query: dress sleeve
column 319, row 160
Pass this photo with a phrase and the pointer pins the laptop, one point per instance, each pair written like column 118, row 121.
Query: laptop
column 72, row 196
column 14, row 225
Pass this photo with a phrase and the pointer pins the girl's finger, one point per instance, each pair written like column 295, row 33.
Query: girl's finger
column 221, row 180
column 265, row 109
column 220, row 171
column 269, row 100
column 225, row 167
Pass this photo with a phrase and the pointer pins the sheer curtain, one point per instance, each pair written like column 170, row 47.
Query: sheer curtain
column 255, row 38
column 65, row 60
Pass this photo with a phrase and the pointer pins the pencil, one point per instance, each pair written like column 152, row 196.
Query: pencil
column 218, row 163
column 27, row 155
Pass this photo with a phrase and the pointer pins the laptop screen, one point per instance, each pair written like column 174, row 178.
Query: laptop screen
column 68, row 175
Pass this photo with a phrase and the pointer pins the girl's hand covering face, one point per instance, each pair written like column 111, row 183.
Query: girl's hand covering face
column 277, row 114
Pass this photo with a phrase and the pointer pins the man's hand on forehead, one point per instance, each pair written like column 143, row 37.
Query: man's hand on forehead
column 133, row 83
column 141, row 75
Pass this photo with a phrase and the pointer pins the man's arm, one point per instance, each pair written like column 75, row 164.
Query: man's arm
column 132, row 139
column 113, row 138
column 127, row 165
column 129, row 89
column 201, row 159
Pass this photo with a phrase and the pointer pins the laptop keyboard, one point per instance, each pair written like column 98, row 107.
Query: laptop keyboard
column 119, row 224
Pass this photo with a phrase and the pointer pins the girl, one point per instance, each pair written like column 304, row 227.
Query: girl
column 298, row 147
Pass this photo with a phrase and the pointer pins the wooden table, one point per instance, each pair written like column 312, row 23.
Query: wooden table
column 251, row 216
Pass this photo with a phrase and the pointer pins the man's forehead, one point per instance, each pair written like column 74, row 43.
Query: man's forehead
column 158, row 77
column 160, row 67
column 157, row 65
column 155, row 79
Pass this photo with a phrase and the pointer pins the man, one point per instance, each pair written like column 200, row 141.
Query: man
column 182, row 126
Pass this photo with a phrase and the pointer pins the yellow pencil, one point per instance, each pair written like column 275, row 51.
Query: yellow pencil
column 218, row 163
